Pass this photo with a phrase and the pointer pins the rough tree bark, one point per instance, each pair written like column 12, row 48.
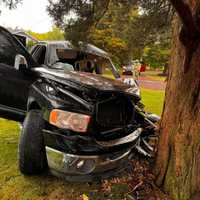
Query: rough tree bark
column 178, row 160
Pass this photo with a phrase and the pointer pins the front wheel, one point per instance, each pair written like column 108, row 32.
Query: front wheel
column 32, row 154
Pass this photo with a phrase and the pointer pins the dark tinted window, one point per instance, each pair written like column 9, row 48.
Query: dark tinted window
column 7, row 51
column 39, row 55
column 34, row 49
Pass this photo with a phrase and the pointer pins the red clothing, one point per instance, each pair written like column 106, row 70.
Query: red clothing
column 143, row 68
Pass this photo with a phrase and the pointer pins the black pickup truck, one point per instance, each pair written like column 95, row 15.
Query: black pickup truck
column 76, row 122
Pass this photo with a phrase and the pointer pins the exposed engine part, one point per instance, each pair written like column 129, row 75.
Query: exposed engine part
column 150, row 148
column 139, row 147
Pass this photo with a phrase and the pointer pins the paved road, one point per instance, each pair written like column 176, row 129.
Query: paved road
column 148, row 83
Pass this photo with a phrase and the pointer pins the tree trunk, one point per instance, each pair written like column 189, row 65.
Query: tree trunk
column 178, row 161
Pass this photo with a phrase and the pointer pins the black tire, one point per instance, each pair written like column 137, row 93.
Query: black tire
column 32, row 154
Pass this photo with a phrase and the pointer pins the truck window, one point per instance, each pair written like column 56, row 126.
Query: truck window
column 39, row 53
column 7, row 51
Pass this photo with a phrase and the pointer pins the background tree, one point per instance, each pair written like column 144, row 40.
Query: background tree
column 122, row 27
column 157, row 54
column 111, row 33
column 10, row 3
column 76, row 17
column 151, row 28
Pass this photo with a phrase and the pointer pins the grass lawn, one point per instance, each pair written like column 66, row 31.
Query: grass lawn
column 153, row 100
column 14, row 186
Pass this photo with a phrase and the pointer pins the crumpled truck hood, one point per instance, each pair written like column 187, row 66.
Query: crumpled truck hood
column 83, row 79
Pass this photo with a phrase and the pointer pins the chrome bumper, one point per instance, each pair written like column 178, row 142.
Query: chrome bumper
column 69, row 164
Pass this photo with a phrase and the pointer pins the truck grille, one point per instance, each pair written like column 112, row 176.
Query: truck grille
column 114, row 112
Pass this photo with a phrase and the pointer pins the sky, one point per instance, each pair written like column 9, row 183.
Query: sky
column 30, row 15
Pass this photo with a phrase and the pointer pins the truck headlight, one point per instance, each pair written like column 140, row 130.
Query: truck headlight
column 69, row 120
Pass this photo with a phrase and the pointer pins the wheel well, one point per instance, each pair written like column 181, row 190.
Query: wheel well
column 34, row 106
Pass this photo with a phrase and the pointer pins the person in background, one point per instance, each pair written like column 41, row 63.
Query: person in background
column 143, row 67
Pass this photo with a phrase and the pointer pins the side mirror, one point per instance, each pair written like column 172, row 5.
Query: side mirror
column 20, row 62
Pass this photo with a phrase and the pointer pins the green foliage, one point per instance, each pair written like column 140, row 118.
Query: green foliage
column 155, row 56
column 76, row 17
column 126, row 40
column 158, row 53
column 55, row 34
column 111, row 32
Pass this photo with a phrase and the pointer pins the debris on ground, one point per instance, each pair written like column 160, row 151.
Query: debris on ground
column 140, row 182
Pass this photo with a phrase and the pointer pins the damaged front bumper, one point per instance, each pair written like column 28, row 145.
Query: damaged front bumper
column 74, row 166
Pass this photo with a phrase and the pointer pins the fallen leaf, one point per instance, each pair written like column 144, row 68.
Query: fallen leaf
column 85, row 197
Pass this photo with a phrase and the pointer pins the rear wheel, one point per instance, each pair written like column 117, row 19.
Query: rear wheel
column 32, row 154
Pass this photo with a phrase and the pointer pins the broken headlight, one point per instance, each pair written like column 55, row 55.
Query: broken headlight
column 69, row 120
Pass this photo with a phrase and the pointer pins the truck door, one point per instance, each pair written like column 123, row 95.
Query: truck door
column 14, row 84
